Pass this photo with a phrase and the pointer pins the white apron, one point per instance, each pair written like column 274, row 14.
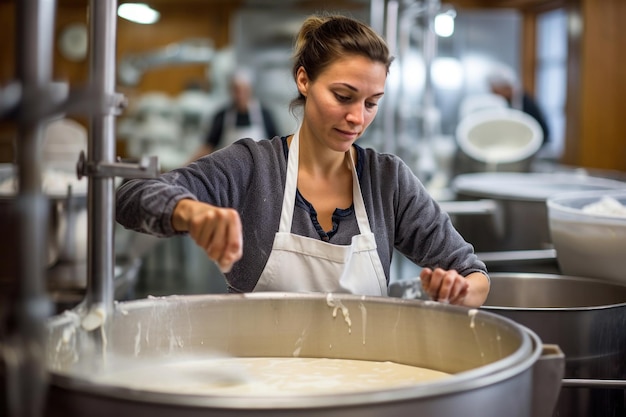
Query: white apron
column 232, row 133
column 303, row 264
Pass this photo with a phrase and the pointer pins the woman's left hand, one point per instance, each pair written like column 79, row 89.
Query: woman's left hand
column 448, row 286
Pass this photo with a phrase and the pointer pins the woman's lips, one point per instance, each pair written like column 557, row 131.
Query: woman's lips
column 348, row 134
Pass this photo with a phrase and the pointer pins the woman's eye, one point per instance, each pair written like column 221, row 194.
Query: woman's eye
column 370, row 104
column 342, row 98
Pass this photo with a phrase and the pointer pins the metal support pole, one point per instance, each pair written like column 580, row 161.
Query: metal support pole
column 430, row 53
column 389, row 111
column 426, row 164
column 24, row 348
column 377, row 15
column 101, row 147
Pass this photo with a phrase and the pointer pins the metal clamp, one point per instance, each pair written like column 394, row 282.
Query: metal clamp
column 30, row 104
column 147, row 167
column 91, row 102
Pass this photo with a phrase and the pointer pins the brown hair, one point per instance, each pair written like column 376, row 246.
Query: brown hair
column 325, row 38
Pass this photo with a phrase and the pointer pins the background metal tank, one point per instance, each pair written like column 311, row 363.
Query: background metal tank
column 518, row 217
column 586, row 318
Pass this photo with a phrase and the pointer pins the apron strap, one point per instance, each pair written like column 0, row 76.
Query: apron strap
column 359, row 204
column 291, row 184
column 230, row 118
column 255, row 114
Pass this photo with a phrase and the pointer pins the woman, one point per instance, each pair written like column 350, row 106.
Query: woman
column 314, row 211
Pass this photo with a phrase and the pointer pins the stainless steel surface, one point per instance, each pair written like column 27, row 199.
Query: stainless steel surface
column 492, row 357
column 389, row 144
column 101, row 146
column 474, row 207
column 547, row 374
column 22, row 339
column 101, row 165
column 506, row 257
column 146, row 167
column 585, row 318
column 377, row 15
column 519, row 225
column 594, row 383
column 533, row 261
column 521, row 217
column 67, row 282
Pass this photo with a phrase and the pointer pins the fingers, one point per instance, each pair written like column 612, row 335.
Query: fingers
column 233, row 249
column 218, row 231
column 444, row 285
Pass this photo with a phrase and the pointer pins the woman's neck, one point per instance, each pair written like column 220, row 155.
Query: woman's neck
column 320, row 161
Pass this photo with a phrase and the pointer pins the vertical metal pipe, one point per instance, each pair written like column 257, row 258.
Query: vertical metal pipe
column 430, row 53
column 391, row 30
column 426, row 164
column 35, row 31
column 389, row 114
column 101, row 148
column 24, row 348
column 377, row 15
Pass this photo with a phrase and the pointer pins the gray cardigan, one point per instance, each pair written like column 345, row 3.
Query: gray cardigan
column 250, row 177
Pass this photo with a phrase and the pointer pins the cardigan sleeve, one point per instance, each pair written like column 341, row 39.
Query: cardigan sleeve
column 424, row 232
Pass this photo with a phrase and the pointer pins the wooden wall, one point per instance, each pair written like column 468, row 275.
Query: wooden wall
column 7, row 73
column 596, row 122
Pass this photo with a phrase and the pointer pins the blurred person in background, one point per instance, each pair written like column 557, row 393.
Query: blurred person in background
column 244, row 117
column 503, row 82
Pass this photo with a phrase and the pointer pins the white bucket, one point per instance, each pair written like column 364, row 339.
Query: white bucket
column 499, row 136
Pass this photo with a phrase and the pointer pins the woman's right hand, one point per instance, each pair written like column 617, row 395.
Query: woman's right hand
column 216, row 230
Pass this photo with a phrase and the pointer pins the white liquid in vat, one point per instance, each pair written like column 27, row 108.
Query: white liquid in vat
column 607, row 206
column 269, row 376
column 338, row 305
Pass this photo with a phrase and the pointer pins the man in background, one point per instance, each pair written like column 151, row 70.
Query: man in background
column 244, row 117
column 503, row 82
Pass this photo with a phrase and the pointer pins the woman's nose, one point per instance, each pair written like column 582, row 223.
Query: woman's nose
column 356, row 114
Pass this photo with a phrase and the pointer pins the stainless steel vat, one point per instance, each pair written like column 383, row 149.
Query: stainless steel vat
column 492, row 357
column 586, row 318
column 518, row 218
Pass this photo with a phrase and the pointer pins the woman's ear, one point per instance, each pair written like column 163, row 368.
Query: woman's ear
column 302, row 81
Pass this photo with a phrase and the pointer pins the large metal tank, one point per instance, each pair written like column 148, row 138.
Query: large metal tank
column 518, row 217
column 493, row 360
column 586, row 318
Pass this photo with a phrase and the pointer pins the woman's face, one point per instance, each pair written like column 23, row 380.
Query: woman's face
column 343, row 100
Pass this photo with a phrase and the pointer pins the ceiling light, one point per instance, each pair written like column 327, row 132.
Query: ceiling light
column 444, row 23
column 138, row 13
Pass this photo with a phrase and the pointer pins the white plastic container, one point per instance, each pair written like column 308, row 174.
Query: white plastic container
column 589, row 244
column 499, row 136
